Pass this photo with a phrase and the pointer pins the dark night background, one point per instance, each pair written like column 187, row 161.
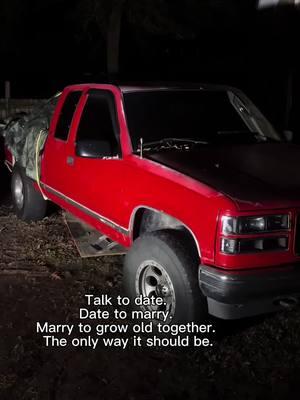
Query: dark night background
column 45, row 45
column 48, row 44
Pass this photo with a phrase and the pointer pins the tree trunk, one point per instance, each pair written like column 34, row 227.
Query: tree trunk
column 113, row 38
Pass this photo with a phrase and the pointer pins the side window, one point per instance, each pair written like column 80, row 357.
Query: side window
column 66, row 115
column 98, row 121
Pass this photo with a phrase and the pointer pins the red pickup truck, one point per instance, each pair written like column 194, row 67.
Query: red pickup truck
column 193, row 180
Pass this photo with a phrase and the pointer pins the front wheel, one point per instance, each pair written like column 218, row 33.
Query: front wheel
column 28, row 203
column 163, row 264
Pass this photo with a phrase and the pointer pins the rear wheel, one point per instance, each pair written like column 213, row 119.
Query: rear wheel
column 29, row 204
column 163, row 264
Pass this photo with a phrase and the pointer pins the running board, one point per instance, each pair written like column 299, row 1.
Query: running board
column 90, row 242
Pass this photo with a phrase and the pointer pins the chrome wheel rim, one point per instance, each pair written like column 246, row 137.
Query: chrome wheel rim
column 153, row 280
column 18, row 191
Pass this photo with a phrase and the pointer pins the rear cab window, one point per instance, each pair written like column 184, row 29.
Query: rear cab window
column 66, row 115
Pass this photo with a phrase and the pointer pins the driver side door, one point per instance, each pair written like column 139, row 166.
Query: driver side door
column 96, row 180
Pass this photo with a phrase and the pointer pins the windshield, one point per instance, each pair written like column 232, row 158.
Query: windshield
column 202, row 116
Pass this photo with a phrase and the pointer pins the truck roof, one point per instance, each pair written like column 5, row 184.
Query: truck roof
column 130, row 88
column 142, row 88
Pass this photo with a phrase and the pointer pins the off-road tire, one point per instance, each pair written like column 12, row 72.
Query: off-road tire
column 28, row 203
column 171, row 250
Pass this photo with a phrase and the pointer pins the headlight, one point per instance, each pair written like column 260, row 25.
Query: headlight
column 255, row 224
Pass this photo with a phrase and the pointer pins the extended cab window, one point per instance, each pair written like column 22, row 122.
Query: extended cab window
column 66, row 115
column 98, row 123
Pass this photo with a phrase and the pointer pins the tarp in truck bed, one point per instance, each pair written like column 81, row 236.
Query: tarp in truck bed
column 25, row 134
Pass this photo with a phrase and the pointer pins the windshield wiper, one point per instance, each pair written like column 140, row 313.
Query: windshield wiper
column 171, row 143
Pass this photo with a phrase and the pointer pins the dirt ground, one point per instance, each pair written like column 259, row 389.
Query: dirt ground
column 43, row 278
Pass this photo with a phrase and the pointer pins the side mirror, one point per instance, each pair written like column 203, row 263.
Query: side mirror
column 289, row 135
column 93, row 148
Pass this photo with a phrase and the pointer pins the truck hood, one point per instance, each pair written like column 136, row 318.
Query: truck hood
column 254, row 176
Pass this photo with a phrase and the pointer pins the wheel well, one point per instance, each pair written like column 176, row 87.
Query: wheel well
column 148, row 220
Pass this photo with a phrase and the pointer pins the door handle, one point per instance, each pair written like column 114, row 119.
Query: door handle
column 70, row 160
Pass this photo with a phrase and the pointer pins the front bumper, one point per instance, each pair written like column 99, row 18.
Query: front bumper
column 239, row 294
